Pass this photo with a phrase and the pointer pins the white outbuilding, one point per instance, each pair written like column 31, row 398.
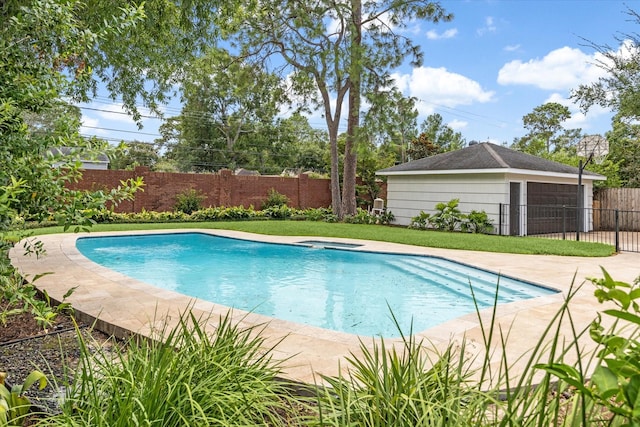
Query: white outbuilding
column 521, row 194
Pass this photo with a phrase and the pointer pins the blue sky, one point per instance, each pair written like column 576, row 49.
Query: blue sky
column 494, row 63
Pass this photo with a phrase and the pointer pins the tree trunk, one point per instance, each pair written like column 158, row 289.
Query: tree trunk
column 336, row 203
column 349, row 206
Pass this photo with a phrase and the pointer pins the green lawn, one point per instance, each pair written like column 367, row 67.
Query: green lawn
column 435, row 239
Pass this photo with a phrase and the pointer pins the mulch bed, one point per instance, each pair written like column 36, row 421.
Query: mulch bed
column 25, row 346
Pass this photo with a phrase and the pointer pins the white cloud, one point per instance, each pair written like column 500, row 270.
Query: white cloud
column 457, row 125
column 512, row 48
column 447, row 34
column 561, row 69
column 90, row 126
column 489, row 26
column 441, row 87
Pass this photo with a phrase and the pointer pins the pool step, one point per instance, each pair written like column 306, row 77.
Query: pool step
column 441, row 279
column 440, row 272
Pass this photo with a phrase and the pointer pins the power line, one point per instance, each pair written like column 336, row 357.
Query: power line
column 314, row 124
column 121, row 130
column 118, row 112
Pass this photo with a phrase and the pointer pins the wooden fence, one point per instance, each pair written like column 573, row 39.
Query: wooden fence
column 617, row 208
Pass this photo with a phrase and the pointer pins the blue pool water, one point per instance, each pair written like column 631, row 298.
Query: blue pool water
column 328, row 287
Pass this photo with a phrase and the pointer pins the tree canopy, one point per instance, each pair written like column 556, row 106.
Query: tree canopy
column 45, row 50
column 332, row 50
column 546, row 133
column 618, row 91
column 619, row 88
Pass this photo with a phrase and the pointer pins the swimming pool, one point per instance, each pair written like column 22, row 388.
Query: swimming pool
column 324, row 285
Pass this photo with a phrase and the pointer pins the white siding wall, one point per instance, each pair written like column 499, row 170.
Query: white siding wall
column 408, row 195
column 95, row 165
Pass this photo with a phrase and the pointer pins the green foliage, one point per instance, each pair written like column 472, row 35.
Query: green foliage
column 189, row 201
column 274, row 199
column 183, row 375
column 388, row 126
column 422, row 221
column 8, row 197
column 361, row 217
column 45, row 50
column 403, row 387
column 14, row 405
column 544, row 123
column 624, row 151
column 134, row 153
column 448, row 216
column 421, row 147
column 443, row 137
column 228, row 117
column 617, row 89
column 365, row 217
column 386, row 218
column 477, row 222
column 23, row 297
column 221, row 213
column 319, row 214
column 615, row 383
column 357, row 58
column 279, row 212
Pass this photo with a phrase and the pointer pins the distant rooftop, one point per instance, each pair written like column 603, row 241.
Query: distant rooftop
column 67, row 151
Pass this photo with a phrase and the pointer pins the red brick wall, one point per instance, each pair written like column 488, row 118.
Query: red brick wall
column 220, row 189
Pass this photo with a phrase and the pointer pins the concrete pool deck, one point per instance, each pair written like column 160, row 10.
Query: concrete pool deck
column 124, row 306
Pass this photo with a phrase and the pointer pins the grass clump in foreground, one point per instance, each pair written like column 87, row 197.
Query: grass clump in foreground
column 187, row 377
column 181, row 377
column 435, row 239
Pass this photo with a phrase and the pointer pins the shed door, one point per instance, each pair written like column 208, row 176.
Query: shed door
column 551, row 208
column 514, row 208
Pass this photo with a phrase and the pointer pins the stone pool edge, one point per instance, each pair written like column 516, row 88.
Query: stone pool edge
column 124, row 306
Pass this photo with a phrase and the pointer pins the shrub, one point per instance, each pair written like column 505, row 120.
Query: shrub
column 448, row 217
column 189, row 201
column 615, row 382
column 100, row 216
column 278, row 212
column 274, row 199
column 386, row 218
column 421, row 221
column 318, row 214
column 237, row 212
column 477, row 222
column 365, row 217
column 361, row 217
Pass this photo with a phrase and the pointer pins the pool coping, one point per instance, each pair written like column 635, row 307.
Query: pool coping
column 124, row 306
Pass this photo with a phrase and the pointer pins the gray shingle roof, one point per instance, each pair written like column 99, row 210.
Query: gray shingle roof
column 484, row 156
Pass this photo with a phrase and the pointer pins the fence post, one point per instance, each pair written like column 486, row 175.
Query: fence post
column 617, row 212
column 564, row 222
column 500, row 221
